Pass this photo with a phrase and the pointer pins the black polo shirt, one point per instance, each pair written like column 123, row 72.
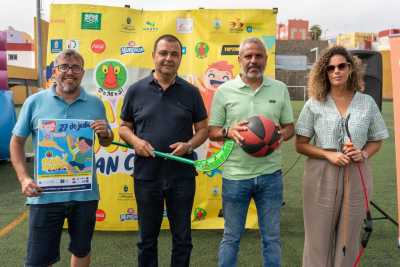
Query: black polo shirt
column 163, row 118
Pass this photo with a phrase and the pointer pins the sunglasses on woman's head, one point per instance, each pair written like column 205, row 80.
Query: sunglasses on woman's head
column 340, row 66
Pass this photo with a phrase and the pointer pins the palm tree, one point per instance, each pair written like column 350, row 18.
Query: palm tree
column 315, row 32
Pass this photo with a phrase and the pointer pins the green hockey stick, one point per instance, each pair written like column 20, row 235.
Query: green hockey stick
column 206, row 165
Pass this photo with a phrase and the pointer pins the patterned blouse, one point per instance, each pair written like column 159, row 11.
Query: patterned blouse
column 322, row 120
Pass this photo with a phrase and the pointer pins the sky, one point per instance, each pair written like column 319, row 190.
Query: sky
column 334, row 17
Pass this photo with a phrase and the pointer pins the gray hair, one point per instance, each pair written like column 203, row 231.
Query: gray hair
column 69, row 53
column 252, row 40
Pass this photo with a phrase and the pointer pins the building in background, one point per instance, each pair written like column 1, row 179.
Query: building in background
column 281, row 31
column 356, row 40
column 382, row 41
column 20, row 49
column 296, row 29
column 20, row 64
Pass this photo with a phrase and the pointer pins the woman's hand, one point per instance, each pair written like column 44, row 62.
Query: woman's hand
column 354, row 153
column 337, row 158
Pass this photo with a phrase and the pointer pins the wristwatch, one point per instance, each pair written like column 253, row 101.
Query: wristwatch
column 225, row 132
column 364, row 154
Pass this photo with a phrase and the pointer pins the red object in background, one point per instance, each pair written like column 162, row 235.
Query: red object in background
column 297, row 29
column 388, row 32
column 110, row 81
column 98, row 46
column 100, row 215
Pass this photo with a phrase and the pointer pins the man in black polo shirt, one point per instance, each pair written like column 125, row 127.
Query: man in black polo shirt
column 160, row 112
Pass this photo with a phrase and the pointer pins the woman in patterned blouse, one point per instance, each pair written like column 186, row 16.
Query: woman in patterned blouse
column 333, row 202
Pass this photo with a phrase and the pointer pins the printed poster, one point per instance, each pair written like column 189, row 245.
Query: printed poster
column 64, row 158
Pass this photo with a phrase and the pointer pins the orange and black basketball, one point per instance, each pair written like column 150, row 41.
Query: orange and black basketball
column 261, row 138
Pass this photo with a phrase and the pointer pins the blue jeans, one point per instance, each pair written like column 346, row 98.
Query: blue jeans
column 45, row 227
column 178, row 195
column 266, row 190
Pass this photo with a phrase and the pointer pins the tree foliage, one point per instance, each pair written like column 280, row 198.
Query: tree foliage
column 315, row 32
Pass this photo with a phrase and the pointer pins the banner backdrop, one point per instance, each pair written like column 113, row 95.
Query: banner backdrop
column 117, row 44
column 395, row 60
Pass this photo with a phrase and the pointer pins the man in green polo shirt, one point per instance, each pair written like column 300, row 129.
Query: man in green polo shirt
column 244, row 176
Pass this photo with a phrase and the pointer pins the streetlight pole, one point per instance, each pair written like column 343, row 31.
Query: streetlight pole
column 39, row 50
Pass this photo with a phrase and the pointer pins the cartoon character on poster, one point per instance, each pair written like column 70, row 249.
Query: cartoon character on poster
column 216, row 74
column 64, row 155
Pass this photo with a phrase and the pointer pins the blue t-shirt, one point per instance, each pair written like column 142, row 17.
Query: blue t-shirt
column 47, row 104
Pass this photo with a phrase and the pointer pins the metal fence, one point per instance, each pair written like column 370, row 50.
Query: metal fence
column 298, row 92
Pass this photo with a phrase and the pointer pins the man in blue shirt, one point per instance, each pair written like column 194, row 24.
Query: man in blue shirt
column 64, row 100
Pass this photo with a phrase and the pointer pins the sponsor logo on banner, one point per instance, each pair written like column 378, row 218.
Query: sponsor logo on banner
column 184, row 25
column 184, row 49
column 72, row 44
column 199, row 214
column 90, row 21
column 128, row 25
column 100, row 215
column 56, row 45
column 236, row 26
column 150, row 26
column 253, row 27
column 110, row 77
column 230, row 50
column 217, row 23
column 131, row 48
column 201, row 49
column 98, row 46
column 131, row 215
column 125, row 194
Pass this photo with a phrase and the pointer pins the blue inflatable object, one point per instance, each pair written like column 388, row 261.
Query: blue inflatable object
column 7, row 122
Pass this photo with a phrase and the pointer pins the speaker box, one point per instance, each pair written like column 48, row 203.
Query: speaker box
column 372, row 61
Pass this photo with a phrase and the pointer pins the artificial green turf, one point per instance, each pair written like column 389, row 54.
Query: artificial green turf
column 119, row 248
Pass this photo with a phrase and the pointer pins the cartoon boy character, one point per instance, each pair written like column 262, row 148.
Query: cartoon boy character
column 82, row 155
column 216, row 74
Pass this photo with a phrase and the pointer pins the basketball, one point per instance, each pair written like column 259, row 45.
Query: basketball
column 261, row 138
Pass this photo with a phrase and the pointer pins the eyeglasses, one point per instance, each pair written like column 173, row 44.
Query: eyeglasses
column 76, row 69
column 341, row 66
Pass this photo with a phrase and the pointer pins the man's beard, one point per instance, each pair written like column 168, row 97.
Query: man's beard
column 69, row 88
column 252, row 75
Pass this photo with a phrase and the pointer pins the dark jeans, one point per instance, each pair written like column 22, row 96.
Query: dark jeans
column 178, row 195
column 45, row 227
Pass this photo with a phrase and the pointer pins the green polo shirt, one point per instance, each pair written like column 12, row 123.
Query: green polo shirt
column 235, row 101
